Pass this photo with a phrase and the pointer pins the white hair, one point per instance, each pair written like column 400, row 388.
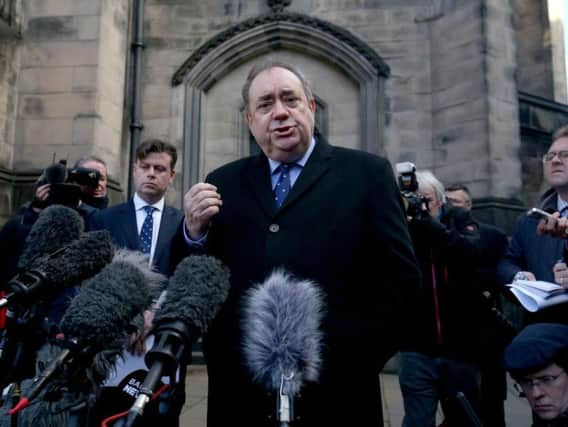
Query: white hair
column 427, row 180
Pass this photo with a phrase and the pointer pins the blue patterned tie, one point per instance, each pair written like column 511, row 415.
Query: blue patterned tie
column 283, row 185
column 146, row 231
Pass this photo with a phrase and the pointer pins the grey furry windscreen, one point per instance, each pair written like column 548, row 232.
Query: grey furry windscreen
column 282, row 334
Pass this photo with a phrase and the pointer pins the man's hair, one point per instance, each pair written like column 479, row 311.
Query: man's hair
column 156, row 146
column 459, row 187
column 560, row 133
column 267, row 65
column 79, row 163
column 426, row 179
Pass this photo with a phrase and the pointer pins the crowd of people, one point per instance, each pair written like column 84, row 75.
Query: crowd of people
column 417, row 275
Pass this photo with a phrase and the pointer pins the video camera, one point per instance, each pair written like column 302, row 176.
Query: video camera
column 65, row 183
column 415, row 204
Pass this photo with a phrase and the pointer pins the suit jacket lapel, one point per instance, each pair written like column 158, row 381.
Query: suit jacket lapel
column 164, row 237
column 317, row 166
column 128, row 227
column 258, row 175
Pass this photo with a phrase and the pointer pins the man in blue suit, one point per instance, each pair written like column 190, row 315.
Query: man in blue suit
column 153, row 172
column 147, row 224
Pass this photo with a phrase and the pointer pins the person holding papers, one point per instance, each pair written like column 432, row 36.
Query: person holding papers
column 535, row 253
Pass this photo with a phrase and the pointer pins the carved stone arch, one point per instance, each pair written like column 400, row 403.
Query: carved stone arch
column 267, row 34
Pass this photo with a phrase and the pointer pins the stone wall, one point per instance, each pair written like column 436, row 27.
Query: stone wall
column 66, row 73
column 450, row 99
column 534, row 53
column 450, row 102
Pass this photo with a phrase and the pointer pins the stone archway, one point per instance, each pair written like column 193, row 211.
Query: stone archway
column 349, row 80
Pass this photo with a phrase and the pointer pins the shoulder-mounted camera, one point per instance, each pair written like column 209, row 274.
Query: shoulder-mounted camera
column 65, row 183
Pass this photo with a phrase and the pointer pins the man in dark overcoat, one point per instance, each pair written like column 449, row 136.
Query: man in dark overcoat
column 341, row 224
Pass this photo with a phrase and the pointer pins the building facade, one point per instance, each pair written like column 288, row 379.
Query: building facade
column 470, row 89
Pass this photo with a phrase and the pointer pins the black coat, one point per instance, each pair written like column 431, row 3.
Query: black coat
column 120, row 221
column 448, row 252
column 341, row 226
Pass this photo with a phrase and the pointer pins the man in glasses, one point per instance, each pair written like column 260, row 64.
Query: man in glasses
column 535, row 253
column 537, row 360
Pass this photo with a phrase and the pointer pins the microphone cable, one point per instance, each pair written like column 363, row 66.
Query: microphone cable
column 122, row 414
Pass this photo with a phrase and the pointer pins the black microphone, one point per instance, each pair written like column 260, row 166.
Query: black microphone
column 67, row 266
column 55, row 227
column 196, row 291
column 55, row 173
column 282, row 337
column 99, row 319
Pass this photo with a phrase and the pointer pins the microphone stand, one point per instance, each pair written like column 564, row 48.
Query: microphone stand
column 22, row 285
column 284, row 403
column 43, row 377
column 163, row 358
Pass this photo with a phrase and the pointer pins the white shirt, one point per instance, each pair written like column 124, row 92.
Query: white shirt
column 156, row 216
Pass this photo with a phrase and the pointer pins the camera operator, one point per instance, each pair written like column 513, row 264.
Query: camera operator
column 92, row 195
column 56, row 185
column 83, row 188
column 440, row 361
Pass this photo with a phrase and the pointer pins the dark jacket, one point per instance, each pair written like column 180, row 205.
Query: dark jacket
column 342, row 226
column 120, row 221
column 561, row 421
column 448, row 251
column 528, row 251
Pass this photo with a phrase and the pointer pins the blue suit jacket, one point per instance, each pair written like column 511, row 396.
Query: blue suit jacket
column 120, row 221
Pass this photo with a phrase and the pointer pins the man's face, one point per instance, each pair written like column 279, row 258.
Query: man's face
column 556, row 170
column 434, row 203
column 152, row 176
column 548, row 398
column 101, row 189
column 459, row 198
column 279, row 115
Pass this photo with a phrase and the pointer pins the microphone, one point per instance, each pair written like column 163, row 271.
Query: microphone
column 97, row 323
column 67, row 266
column 56, row 173
column 55, row 227
column 196, row 291
column 282, row 339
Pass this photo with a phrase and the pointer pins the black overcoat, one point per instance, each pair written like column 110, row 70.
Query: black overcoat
column 342, row 226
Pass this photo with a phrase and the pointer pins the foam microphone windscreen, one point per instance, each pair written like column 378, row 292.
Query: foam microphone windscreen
column 101, row 314
column 55, row 227
column 56, row 173
column 196, row 291
column 76, row 261
column 282, row 336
